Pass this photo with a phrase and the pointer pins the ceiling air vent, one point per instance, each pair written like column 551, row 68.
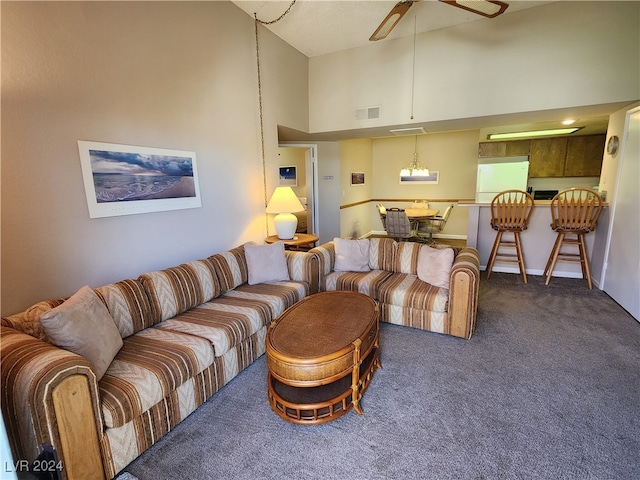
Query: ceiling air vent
column 368, row 113
column 408, row 131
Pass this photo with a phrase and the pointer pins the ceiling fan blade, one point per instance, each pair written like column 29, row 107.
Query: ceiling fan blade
column 486, row 8
column 390, row 21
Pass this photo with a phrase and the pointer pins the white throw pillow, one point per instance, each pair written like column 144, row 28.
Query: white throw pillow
column 83, row 325
column 434, row 265
column 266, row 263
column 351, row 255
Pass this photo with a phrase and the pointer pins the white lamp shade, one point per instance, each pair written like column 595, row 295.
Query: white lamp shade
column 284, row 202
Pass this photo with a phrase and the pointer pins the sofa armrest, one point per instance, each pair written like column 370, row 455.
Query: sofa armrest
column 327, row 256
column 50, row 397
column 463, row 292
column 303, row 267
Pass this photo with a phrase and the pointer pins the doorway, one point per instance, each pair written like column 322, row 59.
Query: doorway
column 304, row 156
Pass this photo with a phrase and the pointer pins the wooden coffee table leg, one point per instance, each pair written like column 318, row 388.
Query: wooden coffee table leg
column 355, row 378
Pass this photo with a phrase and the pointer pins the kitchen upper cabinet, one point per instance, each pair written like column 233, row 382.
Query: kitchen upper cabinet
column 504, row 149
column 553, row 157
column 584, row 156
column 547, row 157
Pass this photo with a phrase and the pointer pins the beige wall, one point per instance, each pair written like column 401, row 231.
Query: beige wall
column 177, row 75
column 610, row 163
column 559, row 55
column 453, row 155
column 356, row 156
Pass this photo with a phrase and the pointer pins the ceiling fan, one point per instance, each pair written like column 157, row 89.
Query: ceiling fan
column 486, row 8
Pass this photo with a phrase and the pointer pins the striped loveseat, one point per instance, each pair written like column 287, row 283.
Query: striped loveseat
column 403, row 298
column 186, row 330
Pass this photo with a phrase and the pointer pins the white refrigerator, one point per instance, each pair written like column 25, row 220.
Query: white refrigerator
column 494, row 178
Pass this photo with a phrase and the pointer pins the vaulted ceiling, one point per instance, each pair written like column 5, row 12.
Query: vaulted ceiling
column 319, row 27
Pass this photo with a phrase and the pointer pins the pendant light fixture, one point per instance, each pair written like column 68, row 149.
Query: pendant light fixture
column 414, row 169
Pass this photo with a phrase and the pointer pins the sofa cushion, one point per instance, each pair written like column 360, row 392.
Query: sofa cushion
column 231, row 268
column 382, row 253
column 363, row 282
column 29, row 321
column 266, row 263
column 83, row 325
column 406, row 258
column 351, row 255
column 151, row 364
column 406, row 290
column 231, row 318
column 434, row 265
column 128, row 305
column 175, row 290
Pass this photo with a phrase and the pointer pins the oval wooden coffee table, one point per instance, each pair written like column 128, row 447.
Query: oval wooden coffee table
column 321, row 356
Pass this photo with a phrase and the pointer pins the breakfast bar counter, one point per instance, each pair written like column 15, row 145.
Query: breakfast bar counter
column 537, row 242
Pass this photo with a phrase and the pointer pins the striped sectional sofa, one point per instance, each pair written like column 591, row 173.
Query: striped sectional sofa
column 403, row 298
column 186, row 330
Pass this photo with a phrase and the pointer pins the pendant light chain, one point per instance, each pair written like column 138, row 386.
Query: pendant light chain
column 262, row 154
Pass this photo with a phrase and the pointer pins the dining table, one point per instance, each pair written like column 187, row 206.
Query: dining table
column 418, row 213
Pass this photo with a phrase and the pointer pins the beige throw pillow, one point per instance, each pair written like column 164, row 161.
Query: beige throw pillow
column 266, row 263
column 84, row 326
column 434, row 265
column 351, row 255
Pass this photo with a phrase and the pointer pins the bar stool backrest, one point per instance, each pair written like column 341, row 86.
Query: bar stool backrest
column 575, row 210
column 511, row 210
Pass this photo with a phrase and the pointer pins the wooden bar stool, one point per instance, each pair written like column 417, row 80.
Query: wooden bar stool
column 574, row 212
column 510, row 212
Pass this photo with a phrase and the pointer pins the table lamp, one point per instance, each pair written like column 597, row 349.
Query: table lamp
column 283, row 202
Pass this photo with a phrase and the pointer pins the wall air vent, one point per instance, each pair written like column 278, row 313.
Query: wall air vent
column 368, row 113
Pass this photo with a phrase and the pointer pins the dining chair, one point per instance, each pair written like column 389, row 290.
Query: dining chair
column 428, row 226
column 420, row 204
column 383, row 215
column 510, row 213
column 574, row 212
column 398, row 225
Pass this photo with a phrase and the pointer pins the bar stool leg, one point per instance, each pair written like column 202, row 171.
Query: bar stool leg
column 494, row 252
column 516, row 237
column 584, row 261
column 555, row 245
column 554, row 257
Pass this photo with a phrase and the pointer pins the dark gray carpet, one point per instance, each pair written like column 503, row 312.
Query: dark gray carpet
column 547, row 388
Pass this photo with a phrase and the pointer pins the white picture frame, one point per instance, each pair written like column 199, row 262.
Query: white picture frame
column 128, row 180
column 432, row 178
column 288, row 175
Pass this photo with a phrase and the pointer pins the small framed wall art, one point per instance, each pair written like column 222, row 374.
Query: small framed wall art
column 357, row 179
column 288, row 176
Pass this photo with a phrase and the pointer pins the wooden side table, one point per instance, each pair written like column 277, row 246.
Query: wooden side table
column 300, row 241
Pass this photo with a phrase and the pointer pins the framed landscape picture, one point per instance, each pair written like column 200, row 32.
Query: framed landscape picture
column 288, row 176
column 433, row 177
column 126, row 179
column 357, row 178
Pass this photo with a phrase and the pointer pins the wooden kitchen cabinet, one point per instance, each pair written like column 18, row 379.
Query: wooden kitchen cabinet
column 547, row 157
column 504, row 149
column 553, row 157
column 584, row 156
